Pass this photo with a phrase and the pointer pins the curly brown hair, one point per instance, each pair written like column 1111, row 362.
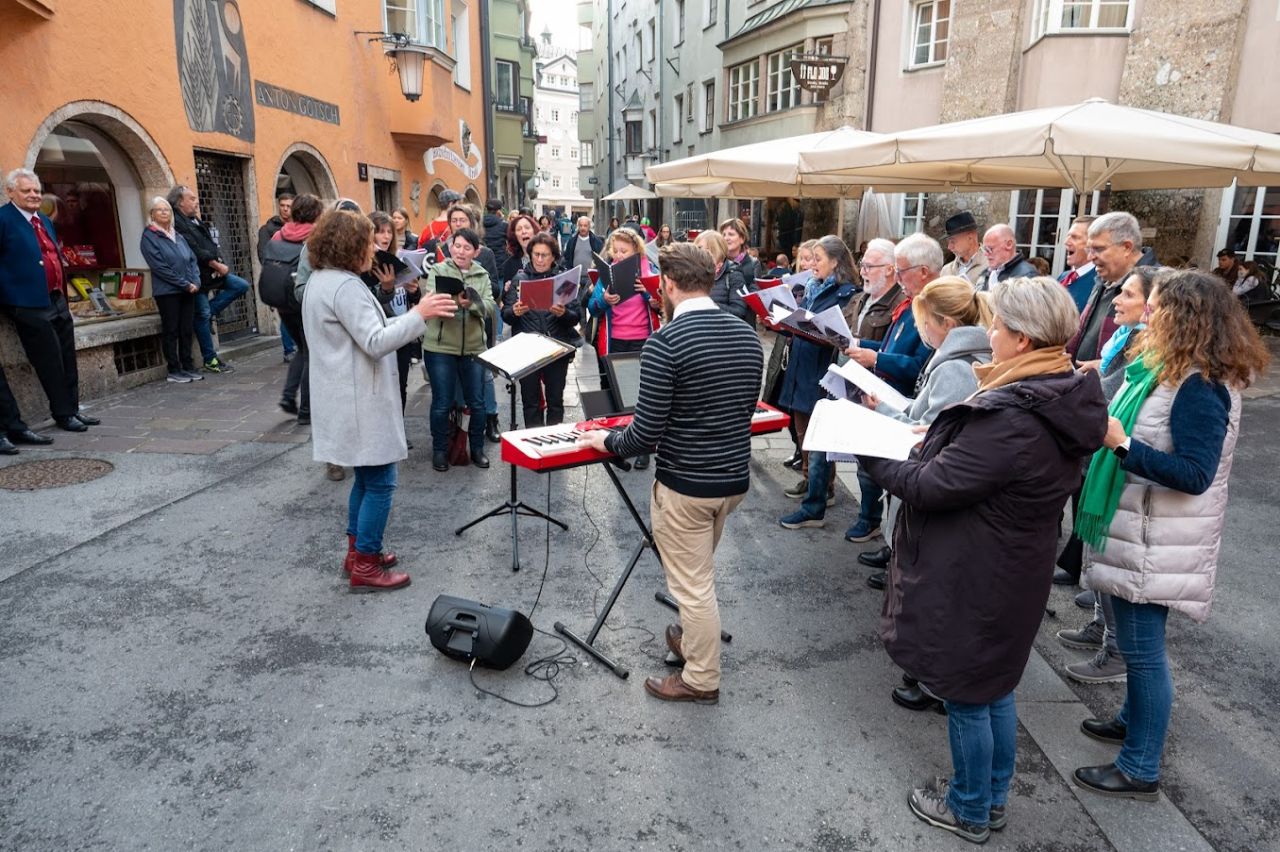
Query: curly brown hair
column 341, row 241
column 1199, row 326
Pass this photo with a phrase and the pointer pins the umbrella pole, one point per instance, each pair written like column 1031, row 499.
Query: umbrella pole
column 1082, row 203
column 840, row 218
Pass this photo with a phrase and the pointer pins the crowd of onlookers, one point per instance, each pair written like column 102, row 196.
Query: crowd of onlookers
column 1113, row 389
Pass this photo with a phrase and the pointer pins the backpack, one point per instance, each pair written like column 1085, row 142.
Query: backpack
column 275, row 284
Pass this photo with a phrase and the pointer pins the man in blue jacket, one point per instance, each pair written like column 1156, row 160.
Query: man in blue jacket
column 898, row 359
column 33, row 294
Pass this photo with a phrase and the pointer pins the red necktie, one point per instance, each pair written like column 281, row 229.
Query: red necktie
column 1070, row 279
column 48, row 256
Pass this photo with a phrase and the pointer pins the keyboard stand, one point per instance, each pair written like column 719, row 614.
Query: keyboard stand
column 646, row 542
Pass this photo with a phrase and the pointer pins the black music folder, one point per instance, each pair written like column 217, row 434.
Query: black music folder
column 623, row 276
column 449, row 284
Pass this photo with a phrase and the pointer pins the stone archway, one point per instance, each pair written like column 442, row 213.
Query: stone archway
column 308, row 170
column 144, row 154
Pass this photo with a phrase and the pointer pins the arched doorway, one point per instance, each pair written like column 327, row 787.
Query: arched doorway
column 303, row 169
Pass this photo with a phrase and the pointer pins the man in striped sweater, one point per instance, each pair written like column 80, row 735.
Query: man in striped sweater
column 699, row 381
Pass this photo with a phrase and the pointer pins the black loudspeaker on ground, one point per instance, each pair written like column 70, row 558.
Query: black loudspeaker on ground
column 469, row 630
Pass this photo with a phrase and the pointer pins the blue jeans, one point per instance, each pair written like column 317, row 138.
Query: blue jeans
column 1148, row 700
column 984, row 748
column 820, row 473
column 870, row 506
column 286, row 341
column 233, row 287
column 446, row 373
column 370, row 504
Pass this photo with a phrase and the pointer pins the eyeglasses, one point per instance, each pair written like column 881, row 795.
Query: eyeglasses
column 904, row 270
column 867, row 267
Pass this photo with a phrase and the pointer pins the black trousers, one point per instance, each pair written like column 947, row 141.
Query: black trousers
column 299, row 377
column 10, row 416
column 177, row 324
column 49, row 340
column 404, row 355
column 548, row 383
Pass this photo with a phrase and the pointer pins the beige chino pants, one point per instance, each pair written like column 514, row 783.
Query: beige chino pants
column 687, row 530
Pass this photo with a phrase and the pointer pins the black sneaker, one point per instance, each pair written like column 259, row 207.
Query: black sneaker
column 179, row 378
column 929, row 803
column 998, row 819
column 288, row 406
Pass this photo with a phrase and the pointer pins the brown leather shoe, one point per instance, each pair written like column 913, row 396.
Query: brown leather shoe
column 673, row 688
column 673, row 636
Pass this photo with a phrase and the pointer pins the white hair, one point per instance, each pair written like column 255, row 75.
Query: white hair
column 157, row 201
column 1040, row 308
column 920, row 250
column 586, row 219
column 1120, row 226
column 1000, row 231
column 881, row 246
column 12, row 178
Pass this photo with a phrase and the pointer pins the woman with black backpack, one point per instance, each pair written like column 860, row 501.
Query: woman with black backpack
column 275, row 288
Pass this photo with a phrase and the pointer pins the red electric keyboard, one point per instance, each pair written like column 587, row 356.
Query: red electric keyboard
column 556, row 447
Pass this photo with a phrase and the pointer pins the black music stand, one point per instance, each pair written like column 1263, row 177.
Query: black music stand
column 513, row 363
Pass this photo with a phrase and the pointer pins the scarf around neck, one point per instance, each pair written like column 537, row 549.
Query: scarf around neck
column 1037, row 362
column 1103, row 484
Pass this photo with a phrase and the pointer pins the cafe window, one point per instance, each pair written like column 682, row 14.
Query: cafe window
column 93, row 196
column 784, row 89
column 744, row 90
column 1058, row 16
column 1250, row 223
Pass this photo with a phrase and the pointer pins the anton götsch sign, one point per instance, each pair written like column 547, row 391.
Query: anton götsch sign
column 275, row 97
column 817, row 73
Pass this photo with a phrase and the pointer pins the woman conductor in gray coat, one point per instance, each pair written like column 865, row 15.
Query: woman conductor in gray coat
column 355, row 393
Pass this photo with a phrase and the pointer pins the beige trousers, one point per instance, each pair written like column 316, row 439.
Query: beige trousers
column 687, row 530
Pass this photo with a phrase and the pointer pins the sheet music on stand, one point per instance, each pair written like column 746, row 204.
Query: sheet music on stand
column 524, row 353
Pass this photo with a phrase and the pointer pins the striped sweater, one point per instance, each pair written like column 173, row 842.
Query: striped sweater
column 699, row 382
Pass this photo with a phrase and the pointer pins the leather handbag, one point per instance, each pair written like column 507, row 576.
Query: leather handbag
column 459, row 443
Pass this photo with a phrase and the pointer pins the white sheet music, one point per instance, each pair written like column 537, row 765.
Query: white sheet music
column 845, row 428
column 415, row 260
column 777, row 296
column 832, row 324
column 869, row 382
column 524, row 351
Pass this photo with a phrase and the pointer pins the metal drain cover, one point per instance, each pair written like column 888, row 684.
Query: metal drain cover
column 52, row 473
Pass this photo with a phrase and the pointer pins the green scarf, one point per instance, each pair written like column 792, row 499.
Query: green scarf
column 1100, row 496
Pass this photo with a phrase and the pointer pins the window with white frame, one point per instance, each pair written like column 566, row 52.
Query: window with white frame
column 573, row 153
column 708, row 13
column 555, row 115
column 639, row 51
column 634, row 137
column 689, row 101
column 1250, row 223
column 784, row 89
column 653, row 39
column 555, row 152
column 651, row 131
column 505, row 79
column 586, row 96
column 1056, row 16
column 1040, row 220
column 555, row 181
column 708, row 106
column 573, row 116
column 678, row 23
column 461, row 23
column 912, row 219
column 422, row 20
column 587, row 155
column 930, row 29
column 744, row 90
column 677, row 124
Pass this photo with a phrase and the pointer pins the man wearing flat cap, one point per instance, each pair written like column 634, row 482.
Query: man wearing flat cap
column 963, row 242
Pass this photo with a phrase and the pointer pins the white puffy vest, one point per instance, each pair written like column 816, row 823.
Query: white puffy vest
column 1162, row 547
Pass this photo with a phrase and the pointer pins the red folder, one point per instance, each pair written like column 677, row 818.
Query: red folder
column 766, row 283
column 651, row 283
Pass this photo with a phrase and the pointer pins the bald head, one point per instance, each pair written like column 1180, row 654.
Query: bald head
column 998, row 245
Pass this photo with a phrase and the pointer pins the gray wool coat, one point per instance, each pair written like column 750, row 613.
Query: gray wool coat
column 355, row 385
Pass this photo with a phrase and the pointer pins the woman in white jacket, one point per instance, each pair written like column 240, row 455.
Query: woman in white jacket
column 355, row 392
column 1153, row 503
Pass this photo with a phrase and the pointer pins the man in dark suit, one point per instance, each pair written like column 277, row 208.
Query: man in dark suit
column 33, row 294
column 1081, row 275
column 1004, row 260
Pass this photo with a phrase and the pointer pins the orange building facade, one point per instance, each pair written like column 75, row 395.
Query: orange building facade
column 113, row 102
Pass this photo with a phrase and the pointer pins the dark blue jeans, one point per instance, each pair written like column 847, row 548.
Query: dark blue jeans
column 1148, row 701
column 820, row 473
column 369, row 505
column 233, row 287
column 447, row 373
column 984, row 748
column 870, row 506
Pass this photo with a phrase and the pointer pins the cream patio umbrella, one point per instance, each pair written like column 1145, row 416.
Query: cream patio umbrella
column 630, row 192
column 1083, row 147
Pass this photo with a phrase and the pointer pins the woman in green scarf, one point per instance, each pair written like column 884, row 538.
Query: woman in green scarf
column 1153, row 502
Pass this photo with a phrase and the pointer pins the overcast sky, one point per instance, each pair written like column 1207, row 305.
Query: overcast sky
column 561, row 16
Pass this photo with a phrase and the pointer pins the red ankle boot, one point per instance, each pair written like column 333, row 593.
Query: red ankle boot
column 388, row 559
column 369, row 575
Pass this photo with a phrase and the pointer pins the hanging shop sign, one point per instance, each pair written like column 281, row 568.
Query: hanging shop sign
column 469, row 148
column 817, row 73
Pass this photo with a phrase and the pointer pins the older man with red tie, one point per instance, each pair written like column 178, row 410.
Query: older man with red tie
column 33, row 294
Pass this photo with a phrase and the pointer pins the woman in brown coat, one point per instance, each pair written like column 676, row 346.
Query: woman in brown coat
column 975, row 541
